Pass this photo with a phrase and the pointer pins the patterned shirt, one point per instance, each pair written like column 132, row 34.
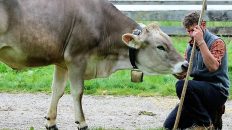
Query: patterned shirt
column 217, row 49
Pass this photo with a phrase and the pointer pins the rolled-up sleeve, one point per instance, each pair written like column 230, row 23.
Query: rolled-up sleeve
column 218, row 50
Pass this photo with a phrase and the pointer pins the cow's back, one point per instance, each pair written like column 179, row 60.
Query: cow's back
column 99, row 26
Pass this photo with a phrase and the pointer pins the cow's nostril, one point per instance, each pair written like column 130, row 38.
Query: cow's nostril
column 184, row 66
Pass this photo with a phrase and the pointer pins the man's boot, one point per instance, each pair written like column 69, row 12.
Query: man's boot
column 218, row 118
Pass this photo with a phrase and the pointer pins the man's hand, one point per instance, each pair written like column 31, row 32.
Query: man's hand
column 183, row 74
column 198, row 35
column 180, row 75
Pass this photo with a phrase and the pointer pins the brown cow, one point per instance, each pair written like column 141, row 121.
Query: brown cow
column 83, row 39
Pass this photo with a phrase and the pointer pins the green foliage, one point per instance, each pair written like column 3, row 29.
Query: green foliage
column 30, row 80
column 113, row 85
column 39, row 79
column 179, row 23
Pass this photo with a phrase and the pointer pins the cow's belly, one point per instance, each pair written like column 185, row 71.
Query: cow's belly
column 17, row 59
column 21, row 51
column 12, row 57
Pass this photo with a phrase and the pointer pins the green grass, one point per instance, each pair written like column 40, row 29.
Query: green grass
column 179, row 23
column 30, row 80
column 39, row 79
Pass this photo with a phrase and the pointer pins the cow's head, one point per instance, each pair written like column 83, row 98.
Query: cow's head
column 155, row 52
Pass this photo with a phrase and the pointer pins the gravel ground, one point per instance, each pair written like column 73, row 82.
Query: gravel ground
column 22, row 111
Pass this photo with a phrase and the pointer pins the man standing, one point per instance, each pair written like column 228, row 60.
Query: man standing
column 208, row 90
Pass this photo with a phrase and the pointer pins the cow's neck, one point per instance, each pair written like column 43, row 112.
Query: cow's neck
column 116, row 25
column 113, row 54
column 98, row 67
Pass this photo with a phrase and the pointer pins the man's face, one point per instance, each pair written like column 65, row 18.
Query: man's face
column 190, row 30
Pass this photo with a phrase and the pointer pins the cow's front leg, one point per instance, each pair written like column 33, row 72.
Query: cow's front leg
column 58, row 87
column 76, row 72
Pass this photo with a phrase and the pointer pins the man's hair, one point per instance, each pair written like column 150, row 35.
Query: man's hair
column 191, row 19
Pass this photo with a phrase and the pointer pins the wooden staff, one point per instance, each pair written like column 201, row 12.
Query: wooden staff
column 189, row 71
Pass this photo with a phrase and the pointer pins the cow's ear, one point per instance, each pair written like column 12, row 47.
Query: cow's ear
column 131, row 40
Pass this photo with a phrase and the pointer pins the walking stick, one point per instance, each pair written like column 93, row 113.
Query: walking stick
column 188, row 72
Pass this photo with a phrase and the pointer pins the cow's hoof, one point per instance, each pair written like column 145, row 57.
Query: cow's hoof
column 54, row 127
column 84, row 128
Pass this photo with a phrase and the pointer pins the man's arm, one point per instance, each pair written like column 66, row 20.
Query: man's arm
column 211, row 60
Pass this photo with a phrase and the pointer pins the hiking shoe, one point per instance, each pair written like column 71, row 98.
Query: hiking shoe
column 210, row 127
column 218, row 118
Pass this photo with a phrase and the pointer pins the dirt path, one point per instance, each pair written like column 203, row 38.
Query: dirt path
column 22, row 111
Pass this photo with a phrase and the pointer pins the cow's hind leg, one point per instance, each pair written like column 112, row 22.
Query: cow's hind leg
column 58, row 87
column 76, row 71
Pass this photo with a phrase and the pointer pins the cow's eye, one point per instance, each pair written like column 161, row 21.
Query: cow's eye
column 160, row 47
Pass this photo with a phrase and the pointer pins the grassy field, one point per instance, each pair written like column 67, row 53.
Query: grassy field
column 39, row 79
column 179, row 23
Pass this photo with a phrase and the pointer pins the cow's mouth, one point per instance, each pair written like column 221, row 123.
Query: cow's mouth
column 151, row 71
column 180, row 67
